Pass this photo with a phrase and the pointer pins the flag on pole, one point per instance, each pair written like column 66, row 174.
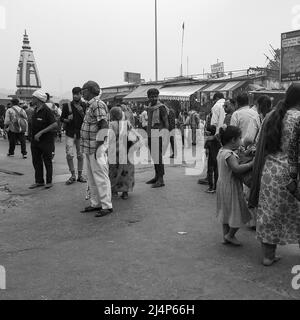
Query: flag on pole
column 183, row 26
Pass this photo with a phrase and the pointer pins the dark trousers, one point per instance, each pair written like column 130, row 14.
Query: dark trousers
column 172, row 143
column 42, row 155
column 13, row 138
column 157, row 156
column 212, row 174
column 29, row 132
column 194, row 135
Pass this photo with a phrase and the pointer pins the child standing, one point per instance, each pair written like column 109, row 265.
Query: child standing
column 212, row 147
column 232, row 209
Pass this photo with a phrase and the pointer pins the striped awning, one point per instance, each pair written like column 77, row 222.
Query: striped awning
column 140, row 93
column 113, row 96
column 180, row 93
column 231, row 86
column 107, row 96
column 214, row 87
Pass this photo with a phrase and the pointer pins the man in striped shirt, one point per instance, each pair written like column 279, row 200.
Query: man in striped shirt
column 94, row 146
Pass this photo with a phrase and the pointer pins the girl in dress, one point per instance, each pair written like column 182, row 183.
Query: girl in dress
column 232, row 209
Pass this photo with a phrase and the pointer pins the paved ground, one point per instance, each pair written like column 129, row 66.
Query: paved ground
column 51, row 251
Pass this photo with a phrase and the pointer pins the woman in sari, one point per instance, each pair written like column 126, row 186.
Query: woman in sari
column 294, row 161
column 278, row 218
column 121, row 171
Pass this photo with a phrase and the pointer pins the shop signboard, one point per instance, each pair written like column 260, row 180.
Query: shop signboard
column 290, row 56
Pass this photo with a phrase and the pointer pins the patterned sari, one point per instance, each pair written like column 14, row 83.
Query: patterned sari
column 121, row 171
column 294, row 151
column 278, row 216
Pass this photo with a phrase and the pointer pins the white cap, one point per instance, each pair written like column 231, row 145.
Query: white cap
column 41, row 95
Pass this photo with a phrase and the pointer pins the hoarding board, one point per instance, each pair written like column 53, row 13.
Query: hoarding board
column 290, row 56
column 132, row 77
column 218, row 67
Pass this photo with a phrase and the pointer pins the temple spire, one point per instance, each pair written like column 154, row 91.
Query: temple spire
column 26, row 43
column 28, row 79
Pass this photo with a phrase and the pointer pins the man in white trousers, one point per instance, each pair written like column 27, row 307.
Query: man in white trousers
column 94, row 147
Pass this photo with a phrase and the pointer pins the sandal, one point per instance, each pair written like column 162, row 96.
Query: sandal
column 90, row 209
column 269, row 262
column 81, row 179
column 71, row 181
column 103, row 213
column 234, row 241
column 125, row 196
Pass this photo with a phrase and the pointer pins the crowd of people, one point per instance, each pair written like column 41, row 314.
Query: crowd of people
column 253, row 158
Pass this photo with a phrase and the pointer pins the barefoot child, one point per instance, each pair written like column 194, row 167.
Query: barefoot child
column 232, row 210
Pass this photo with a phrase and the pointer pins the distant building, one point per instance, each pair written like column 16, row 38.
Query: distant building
column 4, row 102
column 28, row 79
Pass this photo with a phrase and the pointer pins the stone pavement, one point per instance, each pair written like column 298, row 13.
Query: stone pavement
column 160, row 244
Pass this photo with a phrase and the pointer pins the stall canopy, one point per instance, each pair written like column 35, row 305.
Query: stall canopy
column 140, row 93
column 180, row 93
column 214, row 87
column 113, row 96
column 231, row 86
column 108, row 96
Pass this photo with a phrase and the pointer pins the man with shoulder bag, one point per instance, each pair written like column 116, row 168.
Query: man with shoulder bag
column 16, row 125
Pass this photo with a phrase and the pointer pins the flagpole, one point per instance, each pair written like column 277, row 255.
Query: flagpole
column 156, row 55
column 187, row 66
column 181, row 68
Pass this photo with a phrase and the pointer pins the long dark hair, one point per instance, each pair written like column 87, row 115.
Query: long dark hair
column 274, row 125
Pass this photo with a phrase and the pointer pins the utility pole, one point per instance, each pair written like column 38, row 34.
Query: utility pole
column 182, row 42
column 156, row 55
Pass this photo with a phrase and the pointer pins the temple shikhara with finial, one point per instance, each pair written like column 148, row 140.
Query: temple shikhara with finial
column 28, row 79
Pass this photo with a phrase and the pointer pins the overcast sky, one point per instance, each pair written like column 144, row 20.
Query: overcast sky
column 79, row 40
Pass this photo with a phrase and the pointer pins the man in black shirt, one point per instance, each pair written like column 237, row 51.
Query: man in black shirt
column 157, row 121
column 172, row 127
column 42, row 140
column 72, row 118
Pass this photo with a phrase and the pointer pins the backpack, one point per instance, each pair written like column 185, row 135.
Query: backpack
column 20, row 124
column 53, row 109
column 64, row 126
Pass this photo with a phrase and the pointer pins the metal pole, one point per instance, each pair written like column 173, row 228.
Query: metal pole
column 181, row 67
column 156, row 56
column 187, row 66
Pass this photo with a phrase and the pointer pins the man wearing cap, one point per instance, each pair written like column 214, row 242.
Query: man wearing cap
column 42, row 140
column 72, row 118
column 94, row 133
